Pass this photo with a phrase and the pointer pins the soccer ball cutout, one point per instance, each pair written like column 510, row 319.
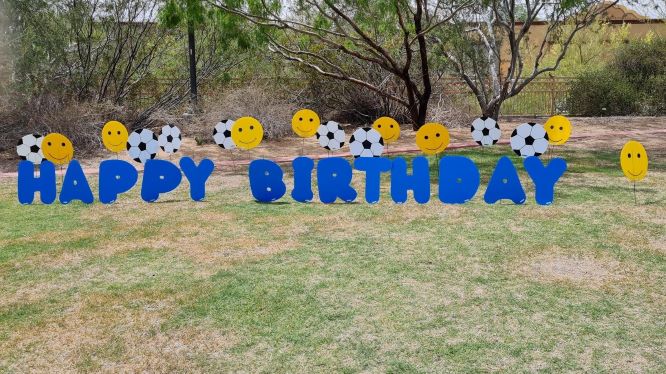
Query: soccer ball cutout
column 485, row 131
column 529, row 139
column 142, row 145
column 331, row 136
column 30, row 148
column 366, row 142
column 222, row 134
column 169, row 139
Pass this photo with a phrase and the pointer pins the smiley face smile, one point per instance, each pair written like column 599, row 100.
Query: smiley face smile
column 634, row 174
column 436, row 148
column 248, row 142
column 57, row 158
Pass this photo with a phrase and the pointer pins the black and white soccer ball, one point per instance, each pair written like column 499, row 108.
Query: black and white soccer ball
column 142, row 145
column 222, row 134
column 30, row 148
column 529, row 139
column 331, row 136
column 169, row 139
column 366, row 142
column 485, row 131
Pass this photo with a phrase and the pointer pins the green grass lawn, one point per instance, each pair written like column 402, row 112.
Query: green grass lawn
column 233, row 285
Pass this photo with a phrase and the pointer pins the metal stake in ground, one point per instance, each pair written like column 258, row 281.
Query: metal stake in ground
column 233, row 160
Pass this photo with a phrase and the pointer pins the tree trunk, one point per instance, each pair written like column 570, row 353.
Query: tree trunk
column 492, row 111
column 425, row 70
column 193, row 64
column 418, row 113
column 421, row 116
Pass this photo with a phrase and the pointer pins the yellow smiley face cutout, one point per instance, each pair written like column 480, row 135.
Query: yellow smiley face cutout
column 247, row 132
column 57, row 148
column 388, row 128
column 114, row 136
column 305, row 123
column 558, row 129
column 633, row 160
column 432, row 138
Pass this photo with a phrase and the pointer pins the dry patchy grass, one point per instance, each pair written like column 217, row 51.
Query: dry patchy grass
column 232, row 285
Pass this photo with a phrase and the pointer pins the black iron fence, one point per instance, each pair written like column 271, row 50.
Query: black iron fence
column 543, row 96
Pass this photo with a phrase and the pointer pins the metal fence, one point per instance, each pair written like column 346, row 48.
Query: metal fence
column 543, row 96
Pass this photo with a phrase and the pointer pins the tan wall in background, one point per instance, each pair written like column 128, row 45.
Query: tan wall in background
column 637, row 30
column 642, row 29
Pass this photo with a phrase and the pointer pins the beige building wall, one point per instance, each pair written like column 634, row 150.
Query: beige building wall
column 617, row 17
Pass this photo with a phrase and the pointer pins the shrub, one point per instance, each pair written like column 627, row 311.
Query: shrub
column 272, row 104
column 80, row 121
column 602, row 92
column 655, row 95
column 351, row 104
column 633, row 83
column 641, row 60
column 348, row 103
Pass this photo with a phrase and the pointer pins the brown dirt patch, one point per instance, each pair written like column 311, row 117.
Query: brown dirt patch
column 581, row 271
column 115, row 338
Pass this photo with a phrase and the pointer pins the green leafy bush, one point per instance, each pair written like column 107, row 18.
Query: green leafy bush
column 655, row 95
column 602, row 92
column 633, row 83
column 641, row 60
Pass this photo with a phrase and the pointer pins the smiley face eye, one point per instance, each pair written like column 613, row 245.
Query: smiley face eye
column 311, row 119
column 240, row 129
column 426, row 137
column 638, row 155
column 437, row 135
column 118, row 132
column 62, row 144
column 300, row 119
column 561, row 128
column 628, row 155
column 251, row 127
column 391, row 126
column 109, row 132
column 379, row 126
column 552, row 127
column 49, row 143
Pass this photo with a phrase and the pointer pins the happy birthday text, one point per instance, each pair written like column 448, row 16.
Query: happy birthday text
column 459, row 180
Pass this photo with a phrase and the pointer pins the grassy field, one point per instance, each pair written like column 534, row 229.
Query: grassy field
column 233, row 285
